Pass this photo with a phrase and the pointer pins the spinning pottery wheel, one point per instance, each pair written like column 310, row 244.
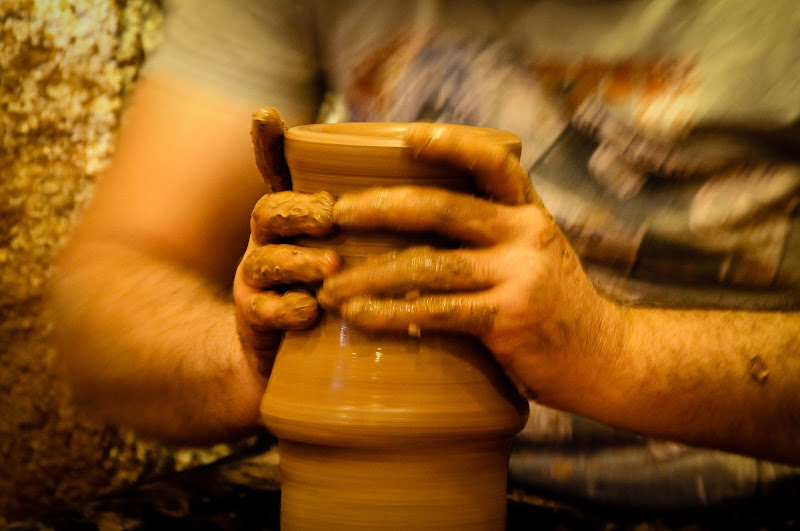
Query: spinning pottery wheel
column 385, row 431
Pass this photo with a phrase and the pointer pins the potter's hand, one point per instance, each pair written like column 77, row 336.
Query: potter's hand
column 516, row 283
column 266, row 293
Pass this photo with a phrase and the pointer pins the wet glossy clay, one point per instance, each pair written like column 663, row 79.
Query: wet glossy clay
column 385, row 431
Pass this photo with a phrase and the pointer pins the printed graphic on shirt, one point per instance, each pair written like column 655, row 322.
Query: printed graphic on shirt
column 647, row 91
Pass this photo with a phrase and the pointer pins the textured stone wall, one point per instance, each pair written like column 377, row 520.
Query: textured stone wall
column 66, row 68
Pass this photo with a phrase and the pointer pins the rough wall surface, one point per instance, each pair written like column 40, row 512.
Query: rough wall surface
column 65, row 70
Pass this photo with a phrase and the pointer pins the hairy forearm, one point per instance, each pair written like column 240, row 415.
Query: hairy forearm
column 151, row 345
column 722, row 379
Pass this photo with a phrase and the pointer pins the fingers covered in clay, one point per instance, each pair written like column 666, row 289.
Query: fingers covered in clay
column 269, row 266
column 408, row 273
column 496, row 170
column 435, row 288
column 272, row 266
column 291, row 214
column 264, row 307
column 515, row 282
column 457, row 216
column 262, row 317
column 397, row 292
column 267, row 136
column 471, row 314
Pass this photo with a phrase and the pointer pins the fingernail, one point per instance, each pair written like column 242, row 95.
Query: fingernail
column 325, row 297
column 331, row 262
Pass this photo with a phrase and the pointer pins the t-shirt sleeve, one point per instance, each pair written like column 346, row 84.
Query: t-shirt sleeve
column 261, row 53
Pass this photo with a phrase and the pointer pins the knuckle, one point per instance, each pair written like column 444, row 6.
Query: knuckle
column 259, row 313
column 240, row 295
column 258, row 268
column 540, row 228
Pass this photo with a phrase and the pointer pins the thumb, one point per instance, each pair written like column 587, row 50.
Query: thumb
column 267, row 135
column 491, row 156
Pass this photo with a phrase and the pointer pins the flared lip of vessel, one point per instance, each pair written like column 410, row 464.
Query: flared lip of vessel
column 380, row 134
column 370, row 150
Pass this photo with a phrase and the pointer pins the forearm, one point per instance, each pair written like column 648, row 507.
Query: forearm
column 709, row 378
column 153, row 346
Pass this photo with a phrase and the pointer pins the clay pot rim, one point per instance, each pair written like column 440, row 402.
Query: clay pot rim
column 380, row 134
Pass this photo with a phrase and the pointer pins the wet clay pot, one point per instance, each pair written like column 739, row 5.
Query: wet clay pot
column 385, row 431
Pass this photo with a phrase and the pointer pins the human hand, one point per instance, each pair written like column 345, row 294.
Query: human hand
column 515, row 283
column 265, row 291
